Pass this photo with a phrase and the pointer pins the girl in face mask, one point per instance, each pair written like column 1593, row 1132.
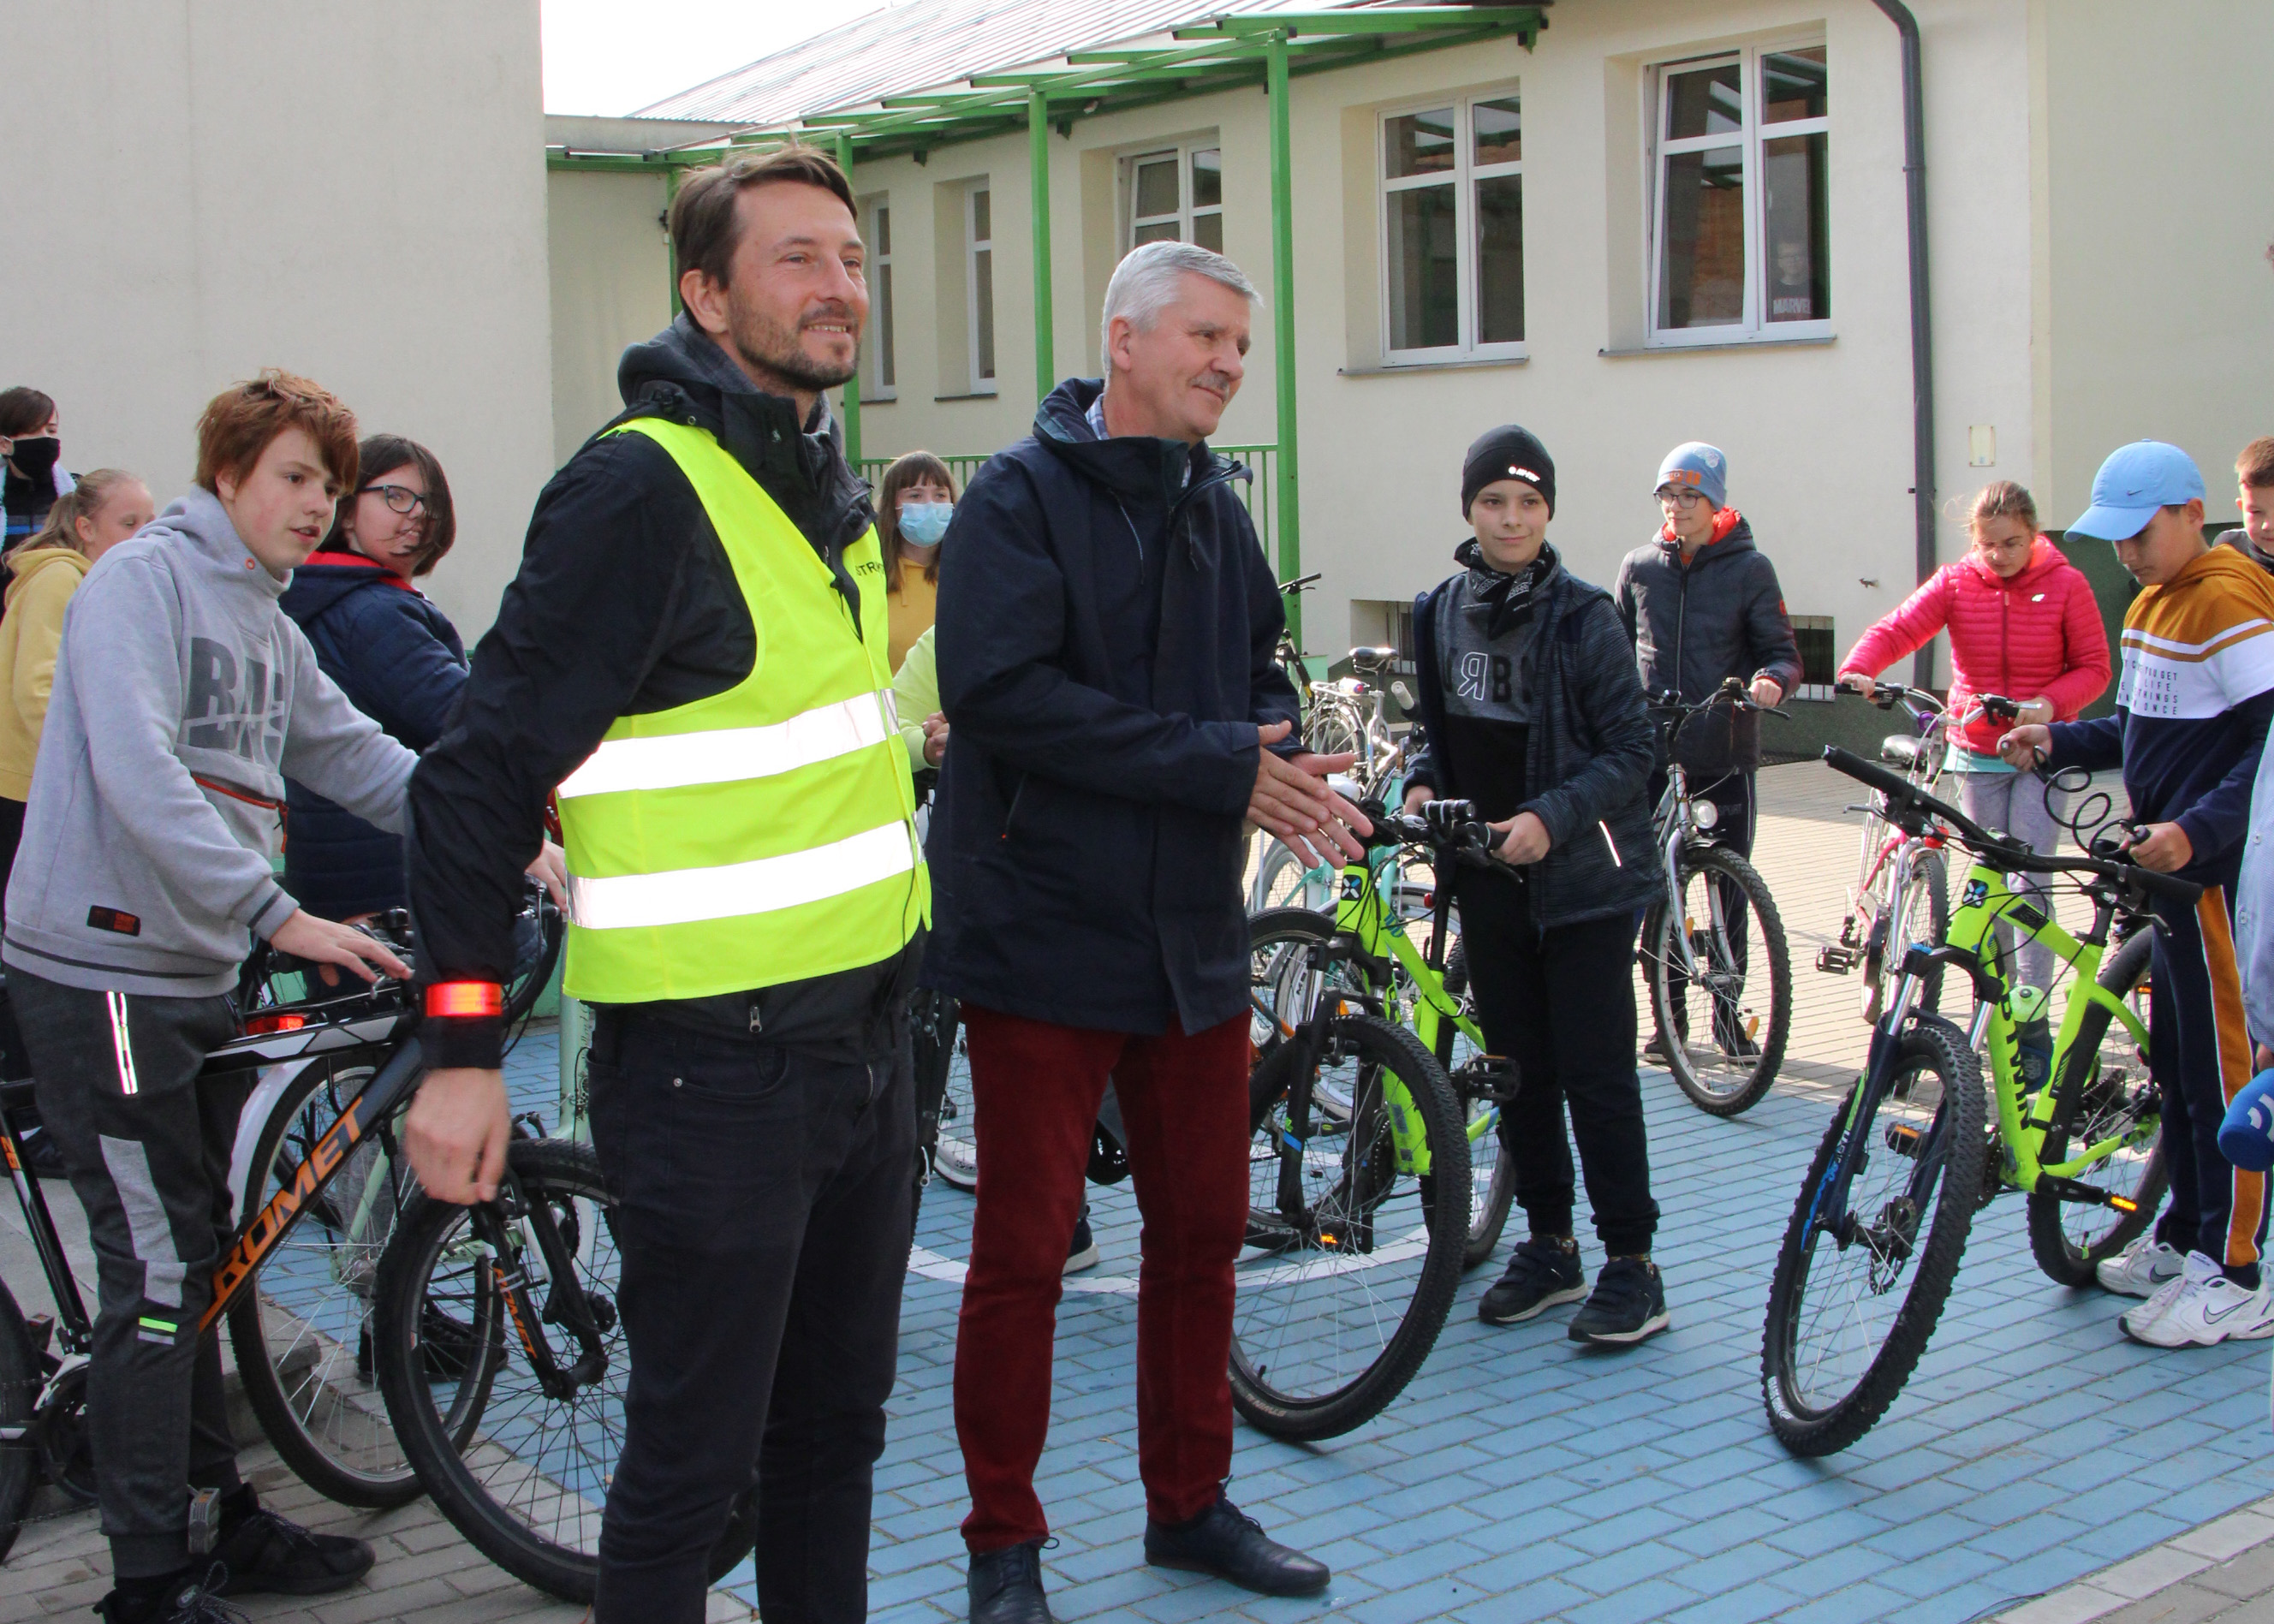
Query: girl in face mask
column 913, row 506
column 29, row 448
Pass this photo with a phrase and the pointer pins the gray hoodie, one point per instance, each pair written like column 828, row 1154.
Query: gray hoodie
column 182, row 698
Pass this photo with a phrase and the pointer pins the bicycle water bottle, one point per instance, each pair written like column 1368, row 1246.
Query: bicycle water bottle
column 2033, row 1035
column 2247, row 1137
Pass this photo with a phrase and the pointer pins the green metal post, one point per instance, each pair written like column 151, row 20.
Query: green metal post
column 1288, row 515
column 1038, row 162
column 670, row 248
column 852, row 384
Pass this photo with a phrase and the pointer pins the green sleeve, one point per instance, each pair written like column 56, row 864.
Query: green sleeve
column 915, row 695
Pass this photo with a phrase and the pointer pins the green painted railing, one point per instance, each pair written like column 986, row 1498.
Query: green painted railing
column 1259, row 493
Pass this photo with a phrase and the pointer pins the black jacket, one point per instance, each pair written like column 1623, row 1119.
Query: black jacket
column 1693, row 625
column 625, row 604
column 398, row 659
column 1589, row 756
column 1086, row 844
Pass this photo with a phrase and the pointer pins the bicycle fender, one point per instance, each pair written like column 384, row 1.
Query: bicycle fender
column 265, row 1092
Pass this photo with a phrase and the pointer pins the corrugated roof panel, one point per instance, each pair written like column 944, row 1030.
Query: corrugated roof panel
column 926, row 43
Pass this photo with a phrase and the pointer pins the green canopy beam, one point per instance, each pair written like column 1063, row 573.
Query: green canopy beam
column 1286, row 504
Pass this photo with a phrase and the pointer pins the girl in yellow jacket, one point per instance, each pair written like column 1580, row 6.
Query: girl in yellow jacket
column 104, row 509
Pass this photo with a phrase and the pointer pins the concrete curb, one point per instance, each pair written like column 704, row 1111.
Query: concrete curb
column 2156, row 1569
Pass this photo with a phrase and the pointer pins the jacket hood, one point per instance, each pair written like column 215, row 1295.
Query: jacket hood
column 328, row 576
column 199, row 525
column 681, row 373
column 1732, row 535
column 1136, row 467
column 30, row 562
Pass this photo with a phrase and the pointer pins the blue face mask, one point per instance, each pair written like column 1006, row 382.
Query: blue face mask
column 925, row 523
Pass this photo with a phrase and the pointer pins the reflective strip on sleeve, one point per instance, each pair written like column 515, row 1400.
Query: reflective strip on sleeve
column 726, row 755
column 687, row 895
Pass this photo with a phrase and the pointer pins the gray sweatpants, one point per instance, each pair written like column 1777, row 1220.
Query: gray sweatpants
column 147, row 1148
column 2029, row 809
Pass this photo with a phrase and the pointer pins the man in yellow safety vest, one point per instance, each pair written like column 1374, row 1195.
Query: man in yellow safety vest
column 694, row 651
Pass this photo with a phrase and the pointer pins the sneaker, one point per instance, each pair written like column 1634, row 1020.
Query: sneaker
column 187, row 1600
column 1081, row 1253
column 2140, row 1268
column 1541, row 1272
column 263, row 1554
column 1731, row 1038
column 1628, row 1304
column 1657, row 1051
column 2208, row 1310
column 2132, row 1321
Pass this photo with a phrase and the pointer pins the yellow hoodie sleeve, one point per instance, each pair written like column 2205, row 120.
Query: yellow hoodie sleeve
column 38, row 614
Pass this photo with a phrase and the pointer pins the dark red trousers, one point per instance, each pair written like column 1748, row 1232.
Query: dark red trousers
column 1184, row 1102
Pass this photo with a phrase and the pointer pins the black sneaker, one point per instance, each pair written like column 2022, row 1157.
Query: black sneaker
column 1656, row 1051
column 1081, row 1252
column 1628, row 1304
column 1541, row 1272
column 185, row 1600
column 1731, row 1038
column 263, row 1554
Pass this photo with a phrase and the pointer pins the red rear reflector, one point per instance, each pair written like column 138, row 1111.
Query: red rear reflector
column 465, row 999
column 258, row 1024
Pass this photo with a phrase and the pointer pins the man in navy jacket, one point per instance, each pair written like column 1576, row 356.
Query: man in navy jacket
column 1107, row 621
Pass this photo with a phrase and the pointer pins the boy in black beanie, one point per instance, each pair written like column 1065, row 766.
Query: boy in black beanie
column 1531, row 708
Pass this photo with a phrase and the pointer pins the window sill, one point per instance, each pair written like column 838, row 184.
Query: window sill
column 1820, row 342
column 886, row 399
column 975, row 395
column 1393, row 368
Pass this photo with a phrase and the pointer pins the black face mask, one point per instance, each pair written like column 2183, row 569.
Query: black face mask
column 35, row 458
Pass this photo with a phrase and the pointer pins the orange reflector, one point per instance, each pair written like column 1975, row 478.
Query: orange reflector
column 465, row 999
column 2123, row 1205
column 275, row 1023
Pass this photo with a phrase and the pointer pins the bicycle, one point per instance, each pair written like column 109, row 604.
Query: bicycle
column 1865, row 1267
column 1344, row 717
column 318, row 1185
column 1363, row 1142
column 1722, row 905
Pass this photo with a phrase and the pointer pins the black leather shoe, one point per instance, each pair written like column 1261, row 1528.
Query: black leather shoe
column 1007, row 1586
column 1224, row 1541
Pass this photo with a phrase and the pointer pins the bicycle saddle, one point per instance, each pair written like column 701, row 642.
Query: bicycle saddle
column 1897, row 750
column 1377, row 658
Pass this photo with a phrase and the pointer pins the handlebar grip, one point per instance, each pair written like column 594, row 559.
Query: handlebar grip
column 2171, row 887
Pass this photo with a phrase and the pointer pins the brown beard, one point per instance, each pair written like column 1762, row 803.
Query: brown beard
column 766, row 347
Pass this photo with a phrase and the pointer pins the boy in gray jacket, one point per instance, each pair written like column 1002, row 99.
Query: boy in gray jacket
column 183, row 697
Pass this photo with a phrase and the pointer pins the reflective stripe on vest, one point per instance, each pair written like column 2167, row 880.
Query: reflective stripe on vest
column 678, row 760
column 763, row 885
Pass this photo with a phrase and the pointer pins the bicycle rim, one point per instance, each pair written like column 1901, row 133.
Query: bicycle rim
column 955, row 1151
column 1721, row 982
column 1852, row 1307
column 1283, row 881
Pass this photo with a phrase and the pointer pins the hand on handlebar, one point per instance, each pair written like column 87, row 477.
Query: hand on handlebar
column 551, row 870
column 1522, row 840
column 2026, row 746
column 1854, row 682
column 2163, row 847
column 1417, row 797
column 320, row 941
column 1766, row 693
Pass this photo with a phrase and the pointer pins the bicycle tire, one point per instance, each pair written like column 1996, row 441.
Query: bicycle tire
column 1883, row 969
column 565, row 1177
column 1489, row 1204
column 2050, row 1242
column 1721, row 1091
column 301, row 1331
column 1953, row 1169
column 1360, row 1200
column 19, row 1401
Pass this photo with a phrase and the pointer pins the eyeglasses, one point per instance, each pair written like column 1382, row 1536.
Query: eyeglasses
column 398, row 498
column 1682, row 494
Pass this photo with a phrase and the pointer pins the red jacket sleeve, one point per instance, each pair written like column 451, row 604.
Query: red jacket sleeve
column 2084, row 662
column 1909, row 629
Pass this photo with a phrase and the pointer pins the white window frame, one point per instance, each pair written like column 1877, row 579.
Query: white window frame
column 1188, row 211
column 1753, row 326
column 879, row 354
column 974, row 245
column 1463, row 178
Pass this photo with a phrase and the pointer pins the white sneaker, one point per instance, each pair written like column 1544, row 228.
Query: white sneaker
column 2209, row 1311
column 2136, row 1321
column 2140, row 1268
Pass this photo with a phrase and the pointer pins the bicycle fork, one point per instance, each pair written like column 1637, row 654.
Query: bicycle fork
column 567, row 1303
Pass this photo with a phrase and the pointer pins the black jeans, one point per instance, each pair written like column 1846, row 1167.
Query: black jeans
column 763, row 1224
column 1562, row 1005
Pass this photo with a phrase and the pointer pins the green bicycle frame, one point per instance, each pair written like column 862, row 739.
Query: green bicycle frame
column 1985, row 901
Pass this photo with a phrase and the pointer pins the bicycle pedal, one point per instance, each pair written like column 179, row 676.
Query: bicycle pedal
column 1838, row 960
column 41, row 1329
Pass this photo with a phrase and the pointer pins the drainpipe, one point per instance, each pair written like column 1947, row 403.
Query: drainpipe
column 1922, row 323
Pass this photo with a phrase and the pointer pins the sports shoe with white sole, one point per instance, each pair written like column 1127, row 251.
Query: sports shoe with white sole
column 2136, row 1321
column 2140, row 1268
column 2210, row 1311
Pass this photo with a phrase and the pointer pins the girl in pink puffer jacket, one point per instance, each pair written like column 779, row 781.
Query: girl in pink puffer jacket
column 2022, row 623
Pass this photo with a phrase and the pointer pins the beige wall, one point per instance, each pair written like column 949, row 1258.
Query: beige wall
column 611, row 277
column 355, row 192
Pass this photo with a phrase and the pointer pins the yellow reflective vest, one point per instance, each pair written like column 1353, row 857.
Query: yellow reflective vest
column 766, row 834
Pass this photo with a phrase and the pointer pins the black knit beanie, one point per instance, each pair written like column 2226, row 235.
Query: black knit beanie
column 1508, row 452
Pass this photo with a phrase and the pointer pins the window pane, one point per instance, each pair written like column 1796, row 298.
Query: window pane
column 1702, row 272
column 982, row 282
column 1792, row 85
column 1156, row 186
column 1159, row 231
column 1208, row 179
column 1424, row 270
column 1208, row 231
column 884, row 229
column 1499, row 259
column 982, row 216
column 1420, row 143
column 1499, row 131
column 1704, row 101
column 1797, row 240
column 881, row 296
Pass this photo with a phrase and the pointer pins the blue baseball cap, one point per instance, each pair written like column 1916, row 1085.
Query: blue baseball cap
column 2133, row 484
column 1699, row 466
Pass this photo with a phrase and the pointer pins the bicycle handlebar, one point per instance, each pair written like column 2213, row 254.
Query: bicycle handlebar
column 1903, row 794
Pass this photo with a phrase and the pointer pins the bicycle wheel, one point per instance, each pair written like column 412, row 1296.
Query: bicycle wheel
column 302, row 1334
column 1492, row 1167
column 2115, row 1100
column 1920, row 915
column 955, row 1134
column 19, row 1401
column 520, row 1472
column 1349, row 1274
column 1851, row 1309
column 1281, row 881
column 1725, row 1007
